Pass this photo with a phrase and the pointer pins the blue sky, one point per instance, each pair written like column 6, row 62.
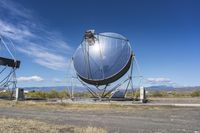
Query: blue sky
column 164, row 34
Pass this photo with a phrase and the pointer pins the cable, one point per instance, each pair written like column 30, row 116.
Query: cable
column 3, row 69
column 13, row 46
column 9, row 81
column 7, row 47
column 7, row 77
column 139, row 71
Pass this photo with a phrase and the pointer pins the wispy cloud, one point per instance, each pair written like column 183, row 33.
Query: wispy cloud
column 159, row 80
column 15, row 9
column 44, row 57
column 30, row 79
column 32, row 38
column 16, row 33
column 57, row 80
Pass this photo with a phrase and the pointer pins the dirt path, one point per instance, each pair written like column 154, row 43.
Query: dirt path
column 160, row 119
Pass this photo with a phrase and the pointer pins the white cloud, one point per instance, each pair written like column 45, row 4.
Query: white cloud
column 45, row 58
column 159, row 80
column 44, row 47
column 57, row 80
column 30, row 78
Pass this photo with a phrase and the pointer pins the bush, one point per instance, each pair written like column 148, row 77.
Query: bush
column 5, row 94
column 83, row 94
column 159, row 94
column 63, row 94
column 179, row 94
column 195, row 93
column 37, row 94
column 137, row 94
column 51, row 94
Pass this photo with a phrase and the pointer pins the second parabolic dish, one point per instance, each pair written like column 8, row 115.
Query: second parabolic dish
column 102, row 58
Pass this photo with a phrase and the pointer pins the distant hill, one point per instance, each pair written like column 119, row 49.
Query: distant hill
column 161, row 87
column 58, row 88
column 188, row 88
column 83, row 89
column 171, row 88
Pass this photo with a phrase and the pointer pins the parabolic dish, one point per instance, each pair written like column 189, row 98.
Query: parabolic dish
column 105, row 60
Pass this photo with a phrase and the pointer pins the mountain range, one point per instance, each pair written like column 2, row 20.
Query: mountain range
column 83, row 89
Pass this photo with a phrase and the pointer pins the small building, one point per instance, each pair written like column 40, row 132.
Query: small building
column 19, row 94
column 143, row 95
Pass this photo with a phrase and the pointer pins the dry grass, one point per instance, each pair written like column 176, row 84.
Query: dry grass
column 11, row 125
column 78, row 106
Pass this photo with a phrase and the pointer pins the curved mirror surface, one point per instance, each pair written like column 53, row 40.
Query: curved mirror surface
column 104, row 58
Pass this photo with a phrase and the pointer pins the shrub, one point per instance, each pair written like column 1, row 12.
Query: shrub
column 63, row 94
column 37, row 94
column 137, row 94
column 51, row 94
column 159, row 94
column 5, row 94
column 195, row 93
column 179, row 94
column 83, row 94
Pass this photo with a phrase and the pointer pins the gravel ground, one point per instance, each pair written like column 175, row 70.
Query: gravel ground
column 187, row 100
column 155, row 119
